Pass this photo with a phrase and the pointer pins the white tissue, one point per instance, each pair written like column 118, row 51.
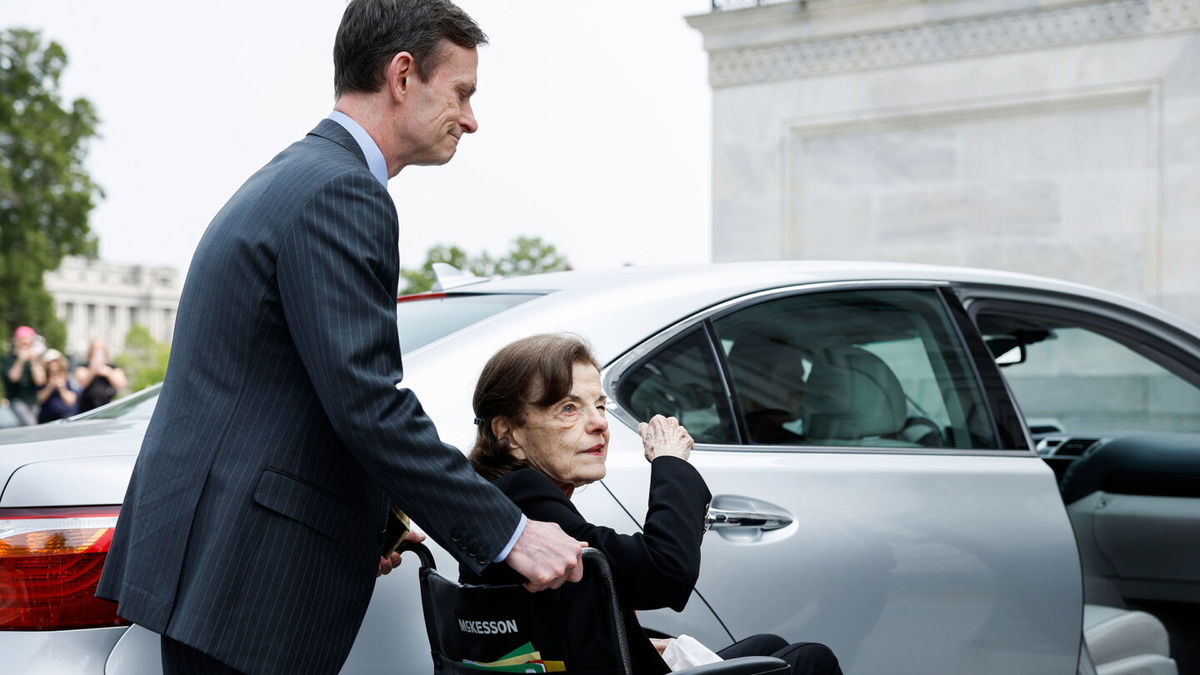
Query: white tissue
column 686, row 651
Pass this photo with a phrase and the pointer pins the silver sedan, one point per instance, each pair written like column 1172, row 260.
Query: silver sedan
column 876, row 485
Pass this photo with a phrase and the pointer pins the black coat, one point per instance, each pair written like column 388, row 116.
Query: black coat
column 653, row 569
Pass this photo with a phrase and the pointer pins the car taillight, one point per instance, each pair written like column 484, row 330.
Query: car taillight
column 50, row 562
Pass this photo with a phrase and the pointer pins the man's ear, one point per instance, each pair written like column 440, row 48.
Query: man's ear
column 398, row 75
column 502, row 428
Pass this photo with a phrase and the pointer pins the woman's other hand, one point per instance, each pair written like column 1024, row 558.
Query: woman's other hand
column 664, row 436
column 661, row 644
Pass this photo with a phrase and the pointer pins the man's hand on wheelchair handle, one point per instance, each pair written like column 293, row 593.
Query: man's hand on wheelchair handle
column 391, row 562
column 546, row 556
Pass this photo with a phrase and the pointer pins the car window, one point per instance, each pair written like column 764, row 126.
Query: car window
column 1074, row 378
column 425, row 318
column 880, row 368
column 681, row 380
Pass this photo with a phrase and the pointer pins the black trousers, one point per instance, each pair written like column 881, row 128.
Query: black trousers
column 180, row 659
column 805, row 658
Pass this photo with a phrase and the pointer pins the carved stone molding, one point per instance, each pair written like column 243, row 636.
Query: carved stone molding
column 952, row 39
column 728, row 5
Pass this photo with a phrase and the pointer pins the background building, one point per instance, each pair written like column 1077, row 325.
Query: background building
column 99, row 299
column 1053, row 137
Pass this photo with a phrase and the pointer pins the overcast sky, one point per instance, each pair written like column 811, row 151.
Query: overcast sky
column 594, row 122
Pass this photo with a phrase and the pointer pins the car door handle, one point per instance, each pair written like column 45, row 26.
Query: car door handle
column 721, row 519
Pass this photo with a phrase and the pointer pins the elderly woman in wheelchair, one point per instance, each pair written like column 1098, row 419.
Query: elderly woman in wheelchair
column 543, row 432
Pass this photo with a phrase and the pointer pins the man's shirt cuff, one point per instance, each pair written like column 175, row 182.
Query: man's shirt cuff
column 512, row 542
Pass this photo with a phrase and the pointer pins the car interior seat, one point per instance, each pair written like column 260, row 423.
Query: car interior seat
column 651, row 391
column 768, row 374
column 678, row 387
column 1126, row 642
column 853, row 395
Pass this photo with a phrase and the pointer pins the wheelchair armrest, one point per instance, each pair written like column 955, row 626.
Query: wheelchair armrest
column 744, row 665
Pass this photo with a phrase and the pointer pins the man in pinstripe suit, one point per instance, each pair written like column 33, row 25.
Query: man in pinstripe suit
column 250, row 534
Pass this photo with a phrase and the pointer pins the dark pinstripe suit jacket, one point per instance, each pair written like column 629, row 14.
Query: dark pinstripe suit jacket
column 250, row 529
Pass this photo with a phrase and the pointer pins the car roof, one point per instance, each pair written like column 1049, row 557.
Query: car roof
column 764, row 274
column 730, row 279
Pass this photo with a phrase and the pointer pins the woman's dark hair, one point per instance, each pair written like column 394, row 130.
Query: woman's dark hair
column 373, row 31
column 535, row 370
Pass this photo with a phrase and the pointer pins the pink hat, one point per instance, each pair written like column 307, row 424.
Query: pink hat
column 24, row 332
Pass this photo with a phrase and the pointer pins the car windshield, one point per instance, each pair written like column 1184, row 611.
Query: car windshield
column 421, row 319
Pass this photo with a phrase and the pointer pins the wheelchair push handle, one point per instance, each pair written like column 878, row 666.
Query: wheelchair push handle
column 423, row 553
column 591, row 557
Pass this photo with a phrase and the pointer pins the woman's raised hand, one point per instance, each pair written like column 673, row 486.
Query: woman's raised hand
column 663, row 436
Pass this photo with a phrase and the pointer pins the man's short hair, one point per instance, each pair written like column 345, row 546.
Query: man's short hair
column 374, row 31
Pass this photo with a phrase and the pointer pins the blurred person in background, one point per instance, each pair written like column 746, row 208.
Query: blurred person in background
column 58, row 398
column 99, row 380
column 24, row 374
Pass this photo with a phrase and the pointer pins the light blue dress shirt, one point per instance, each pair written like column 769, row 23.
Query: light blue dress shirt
column 378, row 166
column 375, row 161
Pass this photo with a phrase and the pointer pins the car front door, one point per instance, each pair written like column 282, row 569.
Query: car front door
column 872, row 486
column 1112, row 395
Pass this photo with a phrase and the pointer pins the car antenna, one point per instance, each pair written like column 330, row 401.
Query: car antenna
column 447, row 276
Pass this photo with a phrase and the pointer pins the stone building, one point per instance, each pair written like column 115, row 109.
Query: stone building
column 1054, row 137
column 99, row 299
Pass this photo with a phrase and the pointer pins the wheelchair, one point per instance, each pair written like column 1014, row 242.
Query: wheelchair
column 477, row 629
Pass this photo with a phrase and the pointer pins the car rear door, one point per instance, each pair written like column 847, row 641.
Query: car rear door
column 873, row 487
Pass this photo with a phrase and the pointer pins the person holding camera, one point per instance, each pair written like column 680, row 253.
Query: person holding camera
column 59, row 398
column 99, row 380
column 24, row 375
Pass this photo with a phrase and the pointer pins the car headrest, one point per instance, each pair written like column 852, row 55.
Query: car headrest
column 852, row 394
column 768, row 373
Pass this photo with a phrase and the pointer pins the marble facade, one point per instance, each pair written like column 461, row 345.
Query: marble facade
column 100, row 299
column 1052, row 137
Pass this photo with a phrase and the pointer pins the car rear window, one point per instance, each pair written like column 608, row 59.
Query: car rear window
column 421, row 319
column 428, row 317
column 137, row 406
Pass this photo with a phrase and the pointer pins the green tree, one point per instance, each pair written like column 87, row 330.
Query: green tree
column 530, row 255
column 421, row 279
column 45, row 193
column 526, row 255
column 144, row 359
